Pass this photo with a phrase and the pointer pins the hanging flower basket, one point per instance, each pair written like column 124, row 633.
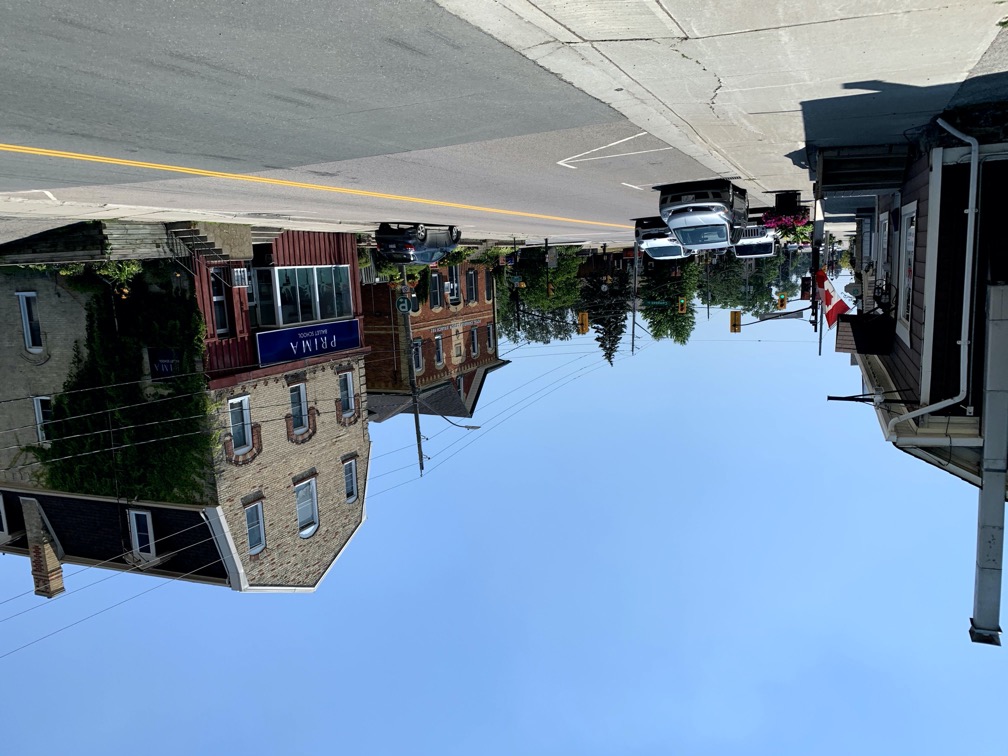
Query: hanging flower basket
column 791, row 225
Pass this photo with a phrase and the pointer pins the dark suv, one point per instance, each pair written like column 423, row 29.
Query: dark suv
column 415, row 242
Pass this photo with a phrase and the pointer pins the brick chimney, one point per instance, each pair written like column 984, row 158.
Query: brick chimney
column 47, row 572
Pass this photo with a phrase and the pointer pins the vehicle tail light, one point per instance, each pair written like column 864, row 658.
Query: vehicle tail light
column 409, row 247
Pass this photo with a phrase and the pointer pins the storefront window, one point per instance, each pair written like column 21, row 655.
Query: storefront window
column 303, row 294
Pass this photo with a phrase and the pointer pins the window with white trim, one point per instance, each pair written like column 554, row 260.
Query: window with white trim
column 306, row 498
column 303, row 294
column 142, row 534
column 254, row 528
column 454, row 285
column 474, row 339
column 218, row 291
column 438, row 350
column 435, row 289
column 4, row 530
column 241, row 424
column 418, row 355
column 350, row 479
column 491, row 339
column 43, row 415
column 472, row 285
column 299, row 408
column 460, row 384
column 28, row 302
column 903, row 275
column 346, row 392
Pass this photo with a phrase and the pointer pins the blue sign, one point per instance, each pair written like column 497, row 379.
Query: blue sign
column 299, row 342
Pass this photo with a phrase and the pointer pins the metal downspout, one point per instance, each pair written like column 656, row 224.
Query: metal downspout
column 967, row 290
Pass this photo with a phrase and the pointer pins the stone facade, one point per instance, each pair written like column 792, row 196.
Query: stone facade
column 338, row 435
column 62, row 318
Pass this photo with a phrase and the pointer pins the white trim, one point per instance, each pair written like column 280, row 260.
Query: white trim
column 907, row 211
column 303, row 397
column 438, row 347
column 257, row 507
column 133, row 515
column 246, row 423
column 474, row 340
column 39, row 422
column 236, row 577
column 930, row 272
column 25, row 324
column 348, row 409
column 491, row 338
column 416, row 350
column 352, row 463
column 307, row 531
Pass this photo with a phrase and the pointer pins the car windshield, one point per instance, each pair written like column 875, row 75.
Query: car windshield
column 716, row 234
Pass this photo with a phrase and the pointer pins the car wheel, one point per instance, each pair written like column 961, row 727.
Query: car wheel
column 421, row 232
column 454, row 234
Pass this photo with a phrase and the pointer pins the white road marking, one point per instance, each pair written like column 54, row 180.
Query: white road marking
column 621, row 154
column 638, row 188
column 565, row 161
column 46, row 192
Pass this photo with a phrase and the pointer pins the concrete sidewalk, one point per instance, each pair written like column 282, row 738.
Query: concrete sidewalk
column 743, row 91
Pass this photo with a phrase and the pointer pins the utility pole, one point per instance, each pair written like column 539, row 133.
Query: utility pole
column 407, row 326
column 633, row 322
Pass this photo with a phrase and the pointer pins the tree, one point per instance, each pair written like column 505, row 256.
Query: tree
column 606, row 298
column 659, row 292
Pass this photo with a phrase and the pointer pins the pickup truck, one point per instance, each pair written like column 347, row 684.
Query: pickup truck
column 757, row 241
column 704, row 216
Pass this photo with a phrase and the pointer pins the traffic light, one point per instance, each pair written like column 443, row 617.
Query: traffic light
column 782, row 301
column 682, row 305
column 735, row 321
column 582, row 322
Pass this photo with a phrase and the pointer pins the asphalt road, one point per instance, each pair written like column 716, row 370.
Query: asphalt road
column 395, row 97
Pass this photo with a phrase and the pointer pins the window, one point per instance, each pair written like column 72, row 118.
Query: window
column 3, row 520
column 299, row 408
column 474, row 339
column 454, row 286
column 438, row 350
column 29, row 321
column 288, row 296
column 883, row 258
column 435, row 289
column 461, row 388
column 141, row 534
column 417, row 355
column 244, row 275
column 346, row 396
column 488, row 285
column 43, row 415
column 241, row 424
column 491, row 340
column 350, row 479
column 472, row 284
column 904, row 275
column 254, row 527
column 218, row 291
column 307, row 507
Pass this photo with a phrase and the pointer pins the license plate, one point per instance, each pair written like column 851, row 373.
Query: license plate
column 688, row 197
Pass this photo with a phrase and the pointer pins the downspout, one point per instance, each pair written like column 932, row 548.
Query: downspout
column 967, row 291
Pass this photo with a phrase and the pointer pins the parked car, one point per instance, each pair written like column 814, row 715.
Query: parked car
column 657, row 241
column 757, row 241
column 415, row 242
column 704, row 215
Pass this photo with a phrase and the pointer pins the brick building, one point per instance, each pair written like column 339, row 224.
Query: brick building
column 193, row 404
column 452, row 342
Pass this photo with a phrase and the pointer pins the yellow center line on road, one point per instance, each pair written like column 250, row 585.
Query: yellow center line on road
column 41, row 152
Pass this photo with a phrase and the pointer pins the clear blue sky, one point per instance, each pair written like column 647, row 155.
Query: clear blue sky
column 690, row 552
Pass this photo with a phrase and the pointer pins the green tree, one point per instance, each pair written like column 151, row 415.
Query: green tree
column 666, row 283
column 108, row 436
column 606, row 298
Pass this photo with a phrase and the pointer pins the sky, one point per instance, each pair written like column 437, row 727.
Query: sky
column 691, row 551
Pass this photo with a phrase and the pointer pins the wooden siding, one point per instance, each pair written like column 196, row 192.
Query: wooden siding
column 904, row 364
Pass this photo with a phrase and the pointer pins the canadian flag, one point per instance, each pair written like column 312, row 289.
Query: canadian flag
column 833, row 304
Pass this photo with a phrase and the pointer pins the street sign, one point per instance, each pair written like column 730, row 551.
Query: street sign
column 655, row 302
column 403, row 304
column 404, row 289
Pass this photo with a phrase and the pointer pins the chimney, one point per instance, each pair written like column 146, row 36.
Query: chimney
column 47, row 572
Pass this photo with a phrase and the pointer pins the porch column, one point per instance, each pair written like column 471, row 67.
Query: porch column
column 985, row 624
